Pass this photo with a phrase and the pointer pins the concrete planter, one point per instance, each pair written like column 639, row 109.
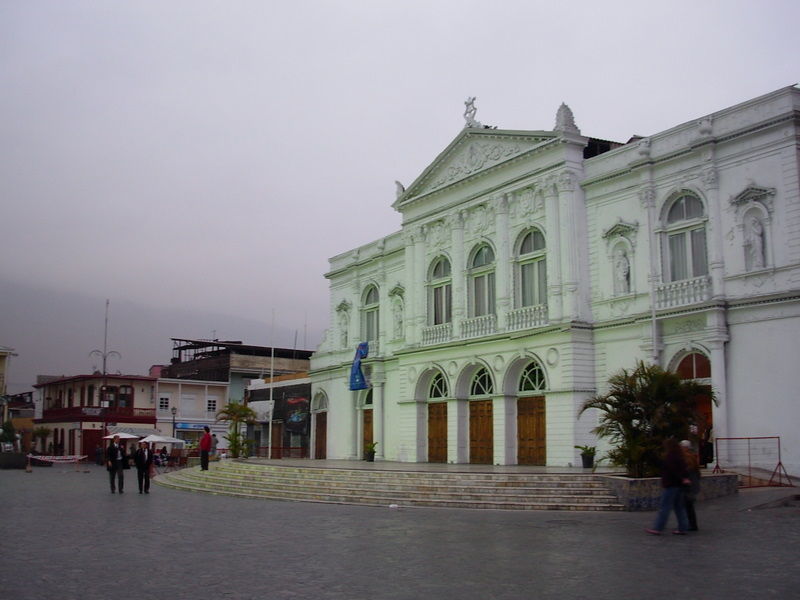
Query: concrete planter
column 13, row 460
column 644, row 494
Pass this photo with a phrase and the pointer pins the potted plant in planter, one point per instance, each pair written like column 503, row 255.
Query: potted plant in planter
column 587, row 455
column 369, row 451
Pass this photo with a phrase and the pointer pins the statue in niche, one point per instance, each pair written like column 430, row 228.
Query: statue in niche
column 755, row 244
column 398, row 321
column 343, row 325
column 622, row 271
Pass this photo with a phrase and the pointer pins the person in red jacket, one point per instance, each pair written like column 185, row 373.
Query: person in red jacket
column 205, row 448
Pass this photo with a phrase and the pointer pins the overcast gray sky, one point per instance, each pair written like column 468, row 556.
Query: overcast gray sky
column 198, row 162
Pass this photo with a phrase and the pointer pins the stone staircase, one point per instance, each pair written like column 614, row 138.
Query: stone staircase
column 406, row 489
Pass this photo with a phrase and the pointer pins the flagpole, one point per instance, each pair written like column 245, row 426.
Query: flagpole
column 271, row 387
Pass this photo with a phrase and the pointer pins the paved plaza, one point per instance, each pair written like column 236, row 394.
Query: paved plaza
column 65, row 536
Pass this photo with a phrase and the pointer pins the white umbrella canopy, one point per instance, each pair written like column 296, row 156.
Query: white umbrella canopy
column 162, row 439
column 122, row 436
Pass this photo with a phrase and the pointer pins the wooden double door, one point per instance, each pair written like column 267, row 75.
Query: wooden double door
column 320, row 435
column 367, row 434
column 481, row 432
column 437, row 432
column 531, row 432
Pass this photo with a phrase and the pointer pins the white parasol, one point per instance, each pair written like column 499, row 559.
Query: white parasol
column 162, row 439
column 122, row 436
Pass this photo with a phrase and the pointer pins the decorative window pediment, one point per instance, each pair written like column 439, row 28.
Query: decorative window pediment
column 622, row 229
column 754, row 193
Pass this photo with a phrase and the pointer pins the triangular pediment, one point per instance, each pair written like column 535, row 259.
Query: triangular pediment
column 473, row 152
column 753, row 193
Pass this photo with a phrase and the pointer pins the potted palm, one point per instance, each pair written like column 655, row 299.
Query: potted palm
column 369, row 451
column 587, row 455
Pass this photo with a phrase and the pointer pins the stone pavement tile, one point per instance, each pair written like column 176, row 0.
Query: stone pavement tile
column 65, row 536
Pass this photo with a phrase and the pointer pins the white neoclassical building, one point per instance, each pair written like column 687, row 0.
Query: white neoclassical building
column 532, row 265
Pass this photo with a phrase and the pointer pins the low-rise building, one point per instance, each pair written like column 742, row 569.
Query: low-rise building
column 80, row 409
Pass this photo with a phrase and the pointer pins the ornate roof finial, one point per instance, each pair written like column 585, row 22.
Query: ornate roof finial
column 469, row 113
column 565, row 121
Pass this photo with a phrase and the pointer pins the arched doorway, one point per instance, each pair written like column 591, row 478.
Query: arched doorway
column 481, row 418
column 531, row 428
column 367, row 435
column 697, row 366
column 319, row 410
column 437, row 419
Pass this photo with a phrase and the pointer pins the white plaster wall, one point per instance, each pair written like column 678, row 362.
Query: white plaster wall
column 763, row 396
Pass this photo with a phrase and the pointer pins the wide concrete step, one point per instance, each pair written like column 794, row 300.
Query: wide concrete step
column 409, row 492
column 400, row 488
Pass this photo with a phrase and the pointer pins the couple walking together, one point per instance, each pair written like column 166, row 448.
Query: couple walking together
column 680, row 480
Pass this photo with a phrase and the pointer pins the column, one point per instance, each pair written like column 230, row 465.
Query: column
column 503, row 277
column 554, row 297
column 568, row 243
column 412, row 292
column 458, row 274
column 378, row 389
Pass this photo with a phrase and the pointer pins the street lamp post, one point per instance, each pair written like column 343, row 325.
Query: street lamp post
column 174, row 411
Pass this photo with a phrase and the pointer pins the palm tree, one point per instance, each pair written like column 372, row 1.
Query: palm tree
column 641, row 409
column 237, row 415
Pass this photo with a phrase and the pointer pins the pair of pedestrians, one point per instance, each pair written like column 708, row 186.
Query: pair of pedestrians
column 117, row 463
column 680, row 480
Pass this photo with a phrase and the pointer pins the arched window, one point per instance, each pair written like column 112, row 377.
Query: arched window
column 481, row 282
column 370, row 314
column 320, row 403
column 440, row 293
column 532, row 378
column 694, row 366
column 481, row 384
column 532, row 270
column 438, row 387
column 686, row 239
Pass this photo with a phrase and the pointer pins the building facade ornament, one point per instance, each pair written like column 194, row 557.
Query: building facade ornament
column 565, row 120
column 469, row 113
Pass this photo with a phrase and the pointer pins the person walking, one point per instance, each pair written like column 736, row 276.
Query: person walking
column 674, row 475
column 205, row 448
column 693, row 473
column 143, row 458
column 115, row 464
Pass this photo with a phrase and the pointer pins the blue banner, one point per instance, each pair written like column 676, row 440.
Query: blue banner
column 357, row 381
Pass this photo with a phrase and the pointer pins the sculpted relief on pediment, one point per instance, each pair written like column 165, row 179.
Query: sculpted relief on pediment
column 476, row 157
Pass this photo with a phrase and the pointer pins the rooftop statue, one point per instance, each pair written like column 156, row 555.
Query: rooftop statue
column 469, row 113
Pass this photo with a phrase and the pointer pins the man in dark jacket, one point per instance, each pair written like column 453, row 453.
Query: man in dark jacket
column 143, row 458
column 674, row 475
column 115, row 463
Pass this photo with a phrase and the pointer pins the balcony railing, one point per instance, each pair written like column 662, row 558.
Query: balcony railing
column 437, row 334
column 527, row 317
column 683, row 293
column 95, row 413
column 479, row 326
